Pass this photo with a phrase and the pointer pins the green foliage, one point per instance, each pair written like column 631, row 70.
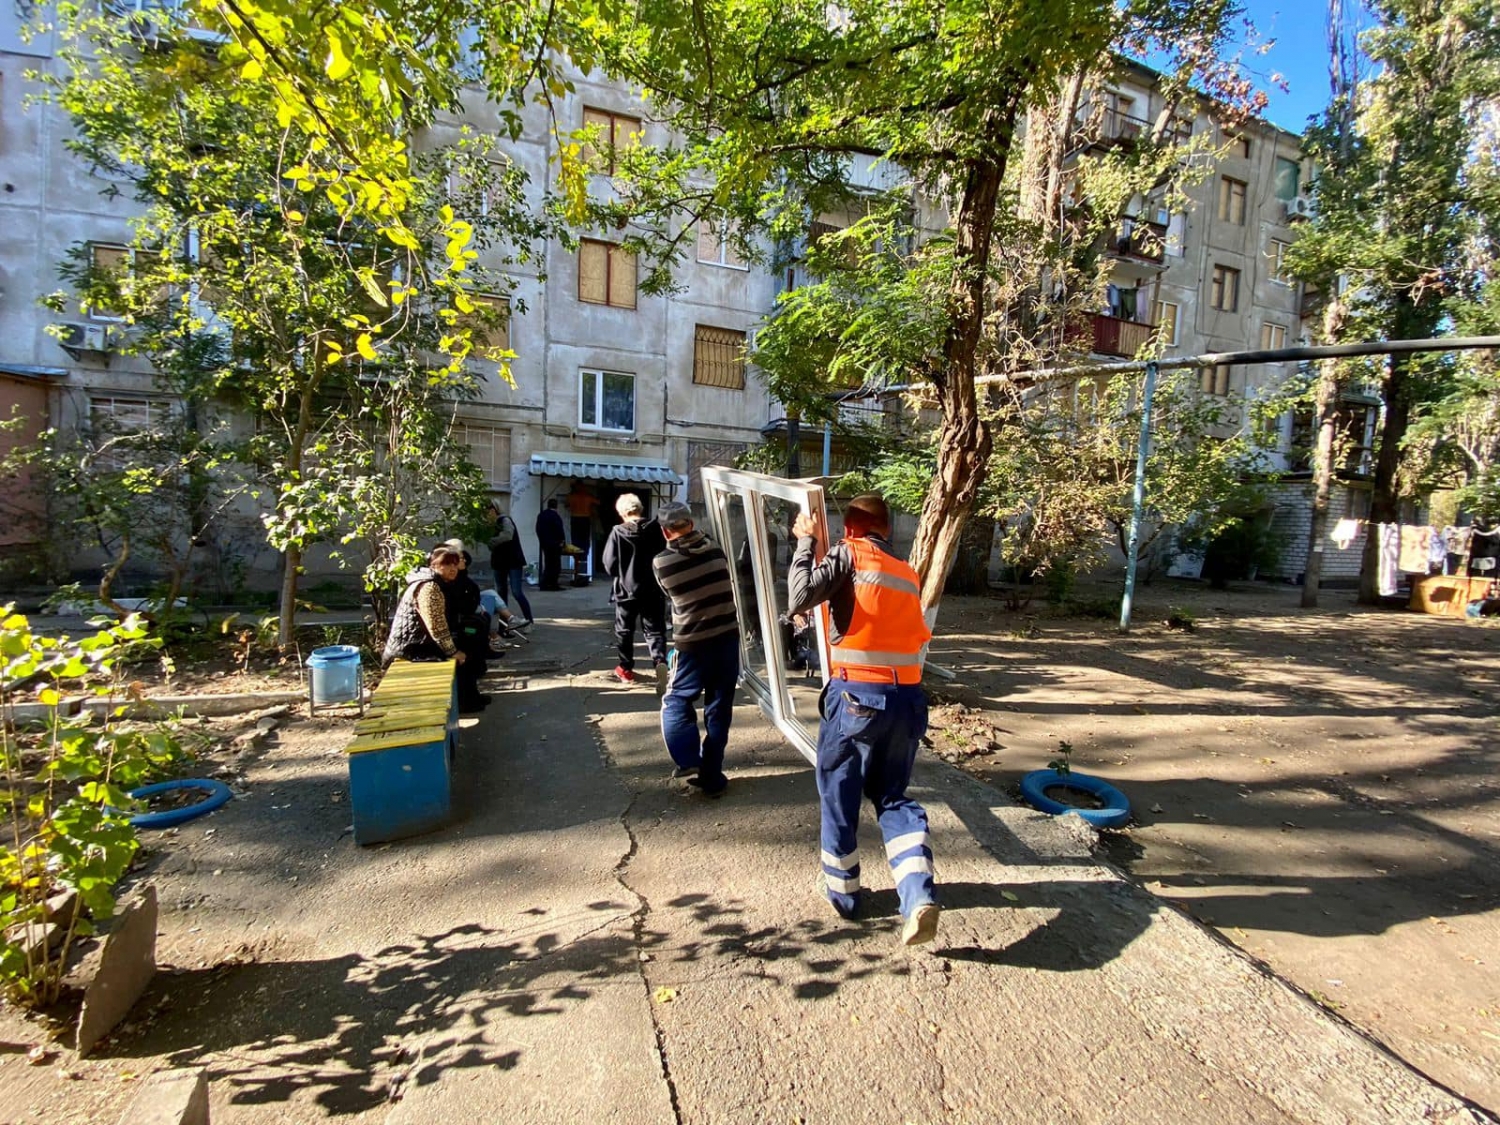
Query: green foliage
column 1063, row 763
column 61, row 790
column 1179, row 618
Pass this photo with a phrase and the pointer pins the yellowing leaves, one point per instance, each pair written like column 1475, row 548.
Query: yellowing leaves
column 337, row 65
column 363, row 345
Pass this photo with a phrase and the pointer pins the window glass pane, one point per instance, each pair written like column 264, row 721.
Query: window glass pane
column 792, row 644
column 737, row 548
column 621, row 278
column 1287, row 175
column 588, row 398
column 619, row 401
column 593, row 262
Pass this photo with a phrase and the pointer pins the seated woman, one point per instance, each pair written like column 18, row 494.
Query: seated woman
column 422, row 626
column 478, row 617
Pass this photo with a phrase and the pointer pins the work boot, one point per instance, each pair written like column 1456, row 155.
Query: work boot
column 922, row 926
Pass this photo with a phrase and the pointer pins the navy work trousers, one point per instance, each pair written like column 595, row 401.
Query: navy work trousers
column 710, row 668
column 866, row 747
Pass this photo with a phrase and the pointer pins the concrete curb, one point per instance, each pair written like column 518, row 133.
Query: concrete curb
column 229, row 703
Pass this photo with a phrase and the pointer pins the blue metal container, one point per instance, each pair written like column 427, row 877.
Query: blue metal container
column 334, row 673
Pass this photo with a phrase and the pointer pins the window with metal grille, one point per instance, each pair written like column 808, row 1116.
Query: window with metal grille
column 617, row 131
column 606, row 274
column 719, row 358
column 489, row 449
column 1224, row 289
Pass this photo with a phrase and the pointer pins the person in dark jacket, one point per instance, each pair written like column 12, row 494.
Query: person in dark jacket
column 628, row 554
column 420, row 627
column 468, row 620
column 550, row 537
column 694, row 574
column 508, row 561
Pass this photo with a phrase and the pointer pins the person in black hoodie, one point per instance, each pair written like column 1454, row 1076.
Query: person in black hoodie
column 628, row 554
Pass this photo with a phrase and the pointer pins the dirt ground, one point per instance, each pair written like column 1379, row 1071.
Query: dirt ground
column 1319, row 786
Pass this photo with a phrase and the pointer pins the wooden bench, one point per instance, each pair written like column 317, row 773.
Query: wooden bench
column 401, row 757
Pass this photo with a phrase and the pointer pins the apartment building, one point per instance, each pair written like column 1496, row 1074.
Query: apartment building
column 1212, row 278
column 616, row 389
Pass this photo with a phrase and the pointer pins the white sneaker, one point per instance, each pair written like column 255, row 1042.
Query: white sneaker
column 922, row 926
column 663, row 678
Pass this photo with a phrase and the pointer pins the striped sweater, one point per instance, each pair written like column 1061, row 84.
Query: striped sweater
column 694, row 574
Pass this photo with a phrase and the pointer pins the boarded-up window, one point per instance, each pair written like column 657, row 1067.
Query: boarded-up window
column 127, row 265
column 715, row 246
column 719, row 358
column 606, row 274
column 616, row 132
column 493, row 330
column 1272, row 335
column 1164, row 314
column 1232, row 200
column 489, row 448
column 1224, row 289
column 1215, row 380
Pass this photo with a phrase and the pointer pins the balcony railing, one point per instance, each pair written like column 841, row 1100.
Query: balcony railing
column 1140, row 239
column 1119, row 128
column 1116, row 336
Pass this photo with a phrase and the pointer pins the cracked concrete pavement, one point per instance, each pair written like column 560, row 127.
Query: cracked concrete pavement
column 588, row 942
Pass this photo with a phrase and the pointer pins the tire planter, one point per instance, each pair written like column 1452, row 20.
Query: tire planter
column 217, row 792
column 1116, row 810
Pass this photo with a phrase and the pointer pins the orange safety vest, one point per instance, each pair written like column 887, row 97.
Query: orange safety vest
column 888, row 629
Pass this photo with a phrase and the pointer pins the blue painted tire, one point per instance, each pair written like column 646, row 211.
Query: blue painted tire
column 217, row 792
column 1116, row 810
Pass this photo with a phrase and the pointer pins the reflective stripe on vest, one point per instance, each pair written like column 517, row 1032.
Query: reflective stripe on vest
column 888, row 628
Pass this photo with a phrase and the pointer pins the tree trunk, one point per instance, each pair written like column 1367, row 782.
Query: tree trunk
column 1408, row 323
column 1325, row 419
column 964, row 440
column 286, row 622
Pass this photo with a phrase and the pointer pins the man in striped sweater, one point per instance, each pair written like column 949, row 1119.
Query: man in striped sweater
column 694, row 574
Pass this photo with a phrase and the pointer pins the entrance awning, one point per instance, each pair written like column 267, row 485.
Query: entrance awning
column 638, row 470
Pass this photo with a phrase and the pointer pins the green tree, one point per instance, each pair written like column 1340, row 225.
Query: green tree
column 1401, row 197
column 310, row 304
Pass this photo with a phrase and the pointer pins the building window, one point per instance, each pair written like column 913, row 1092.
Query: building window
column 1272, row 336
column 1276, row 255
column 489, row 449
column 616, row 133
column 715, row 247
column 606, row 274
column 113, row 418
column 606, row 401
column 719, row 358
column 1215, row 380
column 1224, row 289
column 1288, row 177
column 1164, row 313
column 124, row 263
column 1177, row 236
column 1240, row 146
column 1181, row 130
column 492, row 332
column 1232, row 200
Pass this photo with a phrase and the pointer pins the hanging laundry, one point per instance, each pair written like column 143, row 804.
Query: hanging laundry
column 1416, row 548
column 1344, row 532
column 1390, row 558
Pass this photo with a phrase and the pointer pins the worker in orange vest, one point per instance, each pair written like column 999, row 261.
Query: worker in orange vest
column 873, row 707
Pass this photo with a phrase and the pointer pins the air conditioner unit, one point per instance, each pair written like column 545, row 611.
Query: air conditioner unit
column 79, row 340
column 1299, row 207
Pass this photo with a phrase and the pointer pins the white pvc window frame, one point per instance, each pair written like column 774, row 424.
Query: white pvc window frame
column 771, row 691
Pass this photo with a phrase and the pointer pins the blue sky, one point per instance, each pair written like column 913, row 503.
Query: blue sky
column 1300, row 55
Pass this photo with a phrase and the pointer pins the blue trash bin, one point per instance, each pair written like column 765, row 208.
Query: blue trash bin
column 334, row 675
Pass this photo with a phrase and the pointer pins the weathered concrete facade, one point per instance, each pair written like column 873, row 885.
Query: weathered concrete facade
column 612, row 388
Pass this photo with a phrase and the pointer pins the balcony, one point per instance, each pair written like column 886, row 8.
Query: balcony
column 1140, row 240
column 1116, row 336
column 1117, row 129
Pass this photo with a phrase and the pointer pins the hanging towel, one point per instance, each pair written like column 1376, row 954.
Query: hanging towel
column 1390, row 558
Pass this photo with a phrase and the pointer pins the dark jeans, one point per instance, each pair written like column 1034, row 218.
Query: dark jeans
column 551, row 567
column 710, row 668
column 517, row 580
column 473, row 640
column 653, row 619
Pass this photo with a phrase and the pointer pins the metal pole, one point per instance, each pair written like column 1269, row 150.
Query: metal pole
column 1138, row 497
column 827, row 449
